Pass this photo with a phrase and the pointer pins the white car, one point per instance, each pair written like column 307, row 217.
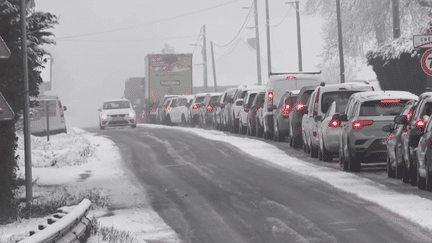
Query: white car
column 117, row 112
column 179, row 112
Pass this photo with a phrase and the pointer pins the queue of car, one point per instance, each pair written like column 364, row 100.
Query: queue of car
column 350, row 121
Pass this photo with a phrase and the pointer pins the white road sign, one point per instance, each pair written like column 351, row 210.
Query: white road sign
column 422, row 41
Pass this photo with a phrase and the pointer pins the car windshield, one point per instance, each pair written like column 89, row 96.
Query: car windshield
column 328, row 98
column 116, row 105
column 380, row 108
column 199, row 99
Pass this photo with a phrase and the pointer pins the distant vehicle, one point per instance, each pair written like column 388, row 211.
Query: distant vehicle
column 424, row 158
column 166, row 108
column 281, row 114
column 134, row 92
column 295, row 117
column 395, row 161
column 207, row 108
column 321, row 99
column 179, row 112
column 194, row 109
column 276, row 87
column 329, row 132
column 117, row 112
column 227, row 102
column 216, row 113
column 237, row 105
column 161, row 108
column 256, row 105
column 248, row 100
column 165, row 74
column 38, row 121
column 362, row 137
column 417, row 122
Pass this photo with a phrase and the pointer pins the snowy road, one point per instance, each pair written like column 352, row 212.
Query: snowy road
column 210, row 191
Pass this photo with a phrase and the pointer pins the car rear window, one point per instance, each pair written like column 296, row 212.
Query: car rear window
column 116, row 105
column 304, row 97
column 199, row 99
column 328, row 98
column 290, row 100
column 380, row 108
column 260, row 98
column 213, row 100
column 251, row 98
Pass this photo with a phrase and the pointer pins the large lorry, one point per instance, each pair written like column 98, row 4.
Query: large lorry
column 134, row 92
column 165, row 74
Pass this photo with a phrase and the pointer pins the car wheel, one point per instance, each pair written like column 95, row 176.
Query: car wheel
column 101, row 127
column 253, row 130
column 390, row 171
column 313, row 151
column 421, row 183
column 183, row 121
column 405, row 171
column 398, row 169
column 276, row 133
column 259, row 132
column 133, row 126
column 326, row 155
column 428, row 177
column 353, row 162
column 413, row 170
column 342, row 161
column 320, row 157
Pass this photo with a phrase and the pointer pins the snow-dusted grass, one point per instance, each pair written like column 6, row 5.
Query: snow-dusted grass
column 411, row 207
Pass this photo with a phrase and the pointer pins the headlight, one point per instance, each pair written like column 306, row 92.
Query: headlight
column 132, row 114
column 104, row 116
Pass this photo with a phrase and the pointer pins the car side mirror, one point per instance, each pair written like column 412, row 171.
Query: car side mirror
column 246, row 106
column 318, row 118
column 387, row 128
column 64, row 108
column 401, row 119
column 99, row 109
column 239, row 102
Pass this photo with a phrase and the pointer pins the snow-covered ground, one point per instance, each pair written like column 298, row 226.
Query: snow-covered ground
column 57, row 165
column 81, row 161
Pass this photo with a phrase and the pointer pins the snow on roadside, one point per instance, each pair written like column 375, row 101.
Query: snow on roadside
column 83, row 161
column 413, row 208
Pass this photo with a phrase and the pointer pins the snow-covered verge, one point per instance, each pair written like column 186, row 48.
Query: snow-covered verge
column 411, row 207
column 81, row 162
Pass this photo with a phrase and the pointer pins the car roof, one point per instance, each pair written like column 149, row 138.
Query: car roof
column 187, row 96
column 255, row 87
column 229, row 90
column 200, row 94
column 294, row 92
column 346, row 86
column 111, row 100
column 422, row 95
column 167, row 96
column 377, row 95
column 215, row 93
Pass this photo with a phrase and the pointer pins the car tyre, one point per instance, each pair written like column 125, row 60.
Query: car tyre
column 413, row 171
column 101, row 127
column 390, row 171
column 428, row 177
column 259, row 130
column 353, row 162
column 342, row 162
column 183, row 121
column 313, row 151
column 421, row 182
column 326, row 155
column 399, row 168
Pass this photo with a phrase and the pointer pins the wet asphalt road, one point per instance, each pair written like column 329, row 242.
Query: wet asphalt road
column 207, row 191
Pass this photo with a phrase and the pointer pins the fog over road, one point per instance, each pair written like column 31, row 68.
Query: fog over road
column 209, row 191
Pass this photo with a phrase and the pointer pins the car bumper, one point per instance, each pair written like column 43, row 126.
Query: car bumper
column 118, row 122
column 372, row 148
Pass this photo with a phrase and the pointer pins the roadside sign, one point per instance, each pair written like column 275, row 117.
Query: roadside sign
column 6, row 112
column 42, row 108
column 4, row 50
column 422, row 41
column 426, row 62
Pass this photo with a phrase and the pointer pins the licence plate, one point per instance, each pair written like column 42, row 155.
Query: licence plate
column 117, row 118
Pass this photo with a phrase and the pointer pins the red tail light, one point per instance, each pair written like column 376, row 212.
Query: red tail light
column 358, row 125
column 300, row 107
column 195, row 106
column 209, row 108
column 153, row 109
column 420, row 123
column 270, row 95
column 246, row 110
column 169, row 109
column 286, row 109
column 390, row 101
column 409, row 115
column 334, row 123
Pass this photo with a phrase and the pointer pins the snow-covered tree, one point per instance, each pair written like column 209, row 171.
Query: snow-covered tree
column 12, row 85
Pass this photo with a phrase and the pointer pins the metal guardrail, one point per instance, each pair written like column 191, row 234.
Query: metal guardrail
column 68, row 225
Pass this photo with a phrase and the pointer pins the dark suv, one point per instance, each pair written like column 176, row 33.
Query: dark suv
column 295, row 117
column 281, row 115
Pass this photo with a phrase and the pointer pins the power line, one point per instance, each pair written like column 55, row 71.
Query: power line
column 282, row 18
column 148, row 23
column 244, row 23
column 166, row 38
column 199, row 35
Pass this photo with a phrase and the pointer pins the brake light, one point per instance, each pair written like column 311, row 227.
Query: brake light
column 291, row 77
column 270, row 95
column 409, row 115
column 300, row 107
column 358, row 125
column 390, row 101
column 209, row 108
column 334, row 123
column 286, row 109
column 420, row 123
column 195, row 106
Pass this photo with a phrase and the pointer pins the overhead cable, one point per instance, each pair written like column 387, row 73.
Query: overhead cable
column 141, row 40
column 148, row 23
column 244, row 23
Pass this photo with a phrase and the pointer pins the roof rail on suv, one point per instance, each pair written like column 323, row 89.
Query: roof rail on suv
column 295, row 73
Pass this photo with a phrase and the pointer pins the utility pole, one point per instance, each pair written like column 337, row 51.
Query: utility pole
column 257, row 43
column 27, row 141
column 341, row 58
column 268, row 39
column 214, row 66
column 396, row 19
column 299, row 49
column 205, row 59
